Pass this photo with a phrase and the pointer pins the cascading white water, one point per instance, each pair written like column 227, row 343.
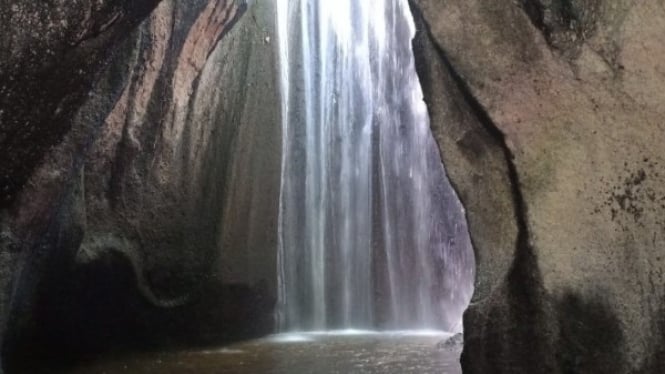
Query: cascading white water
column 371, row 233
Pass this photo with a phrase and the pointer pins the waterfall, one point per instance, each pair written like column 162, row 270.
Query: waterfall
column 371, row 234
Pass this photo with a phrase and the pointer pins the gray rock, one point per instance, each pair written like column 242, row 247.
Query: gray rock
column 454, row 342
column 549, row 117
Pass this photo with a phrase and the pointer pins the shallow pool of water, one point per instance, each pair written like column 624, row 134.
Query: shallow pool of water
column 315, row 353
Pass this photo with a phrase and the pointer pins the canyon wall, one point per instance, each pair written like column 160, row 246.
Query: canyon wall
column 146, row 213
column 140, row 174
column 549, row 115
column 49, row 56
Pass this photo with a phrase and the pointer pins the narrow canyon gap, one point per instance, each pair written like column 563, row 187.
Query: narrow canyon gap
column 372, row 235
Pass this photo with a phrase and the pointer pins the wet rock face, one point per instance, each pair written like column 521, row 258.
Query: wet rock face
column 152, row 219
column 557, row 107
column 49, row 56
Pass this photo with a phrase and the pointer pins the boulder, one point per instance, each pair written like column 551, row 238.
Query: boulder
column 549, row 117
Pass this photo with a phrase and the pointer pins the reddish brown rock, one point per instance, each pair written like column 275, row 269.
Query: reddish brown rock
column 153, row 222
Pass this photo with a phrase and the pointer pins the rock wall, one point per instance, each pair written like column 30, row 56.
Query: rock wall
column 151, row 218
column 139, row 178
column 49, row 56
column 549, row 116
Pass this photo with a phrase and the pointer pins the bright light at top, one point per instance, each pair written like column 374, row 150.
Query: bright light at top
column 339, row 16
column 342, row 15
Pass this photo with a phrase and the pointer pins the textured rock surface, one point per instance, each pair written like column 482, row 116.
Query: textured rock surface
column 154, row 220
column 151, row 216
column 49, row 55
column 555, row 109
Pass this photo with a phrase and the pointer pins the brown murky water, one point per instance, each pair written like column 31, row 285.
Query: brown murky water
column 300, row 354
